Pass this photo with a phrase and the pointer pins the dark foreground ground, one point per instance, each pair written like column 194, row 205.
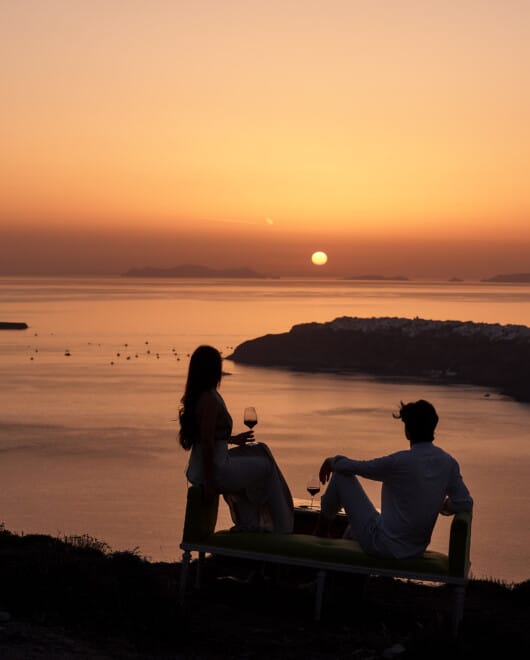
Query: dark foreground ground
column 75, row 599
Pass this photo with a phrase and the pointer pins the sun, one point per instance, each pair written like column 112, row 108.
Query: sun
column 319, row 258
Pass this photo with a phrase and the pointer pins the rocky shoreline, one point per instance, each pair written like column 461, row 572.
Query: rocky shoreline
column 75, row 599
column 490, row 355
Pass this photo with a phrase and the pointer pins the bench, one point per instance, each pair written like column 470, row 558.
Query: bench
column 324, row 554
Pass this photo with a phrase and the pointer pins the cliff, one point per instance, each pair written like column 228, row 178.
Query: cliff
column 193, row 270
column 398, row 278
column 509, row 278
column 486, row 354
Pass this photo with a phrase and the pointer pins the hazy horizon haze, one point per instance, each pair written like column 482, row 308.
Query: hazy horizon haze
column 81, row 251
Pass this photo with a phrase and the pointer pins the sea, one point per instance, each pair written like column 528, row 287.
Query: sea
column 90, row 395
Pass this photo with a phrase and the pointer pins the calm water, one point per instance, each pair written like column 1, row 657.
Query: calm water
column 88, row 446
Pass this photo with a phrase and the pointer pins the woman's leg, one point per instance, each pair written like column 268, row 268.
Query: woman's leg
column 261, row 495
column 244, row 480
column 242, row 472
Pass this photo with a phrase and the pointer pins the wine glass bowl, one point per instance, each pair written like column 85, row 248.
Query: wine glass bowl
column 250, row 417
column 313, row 488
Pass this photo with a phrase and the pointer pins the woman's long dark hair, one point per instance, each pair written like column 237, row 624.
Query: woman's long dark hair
column 204, row 373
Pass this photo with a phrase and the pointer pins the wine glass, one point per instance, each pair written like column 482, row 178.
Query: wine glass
column 313, row 487
column 250, row 419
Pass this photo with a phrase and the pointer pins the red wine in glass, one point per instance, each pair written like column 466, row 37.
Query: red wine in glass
column 313, row 487
column 250, row 418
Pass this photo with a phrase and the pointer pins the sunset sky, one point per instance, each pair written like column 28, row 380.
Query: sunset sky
column 394, row 135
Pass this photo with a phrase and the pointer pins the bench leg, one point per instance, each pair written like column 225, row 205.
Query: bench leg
column 321, row 579
column 184, row 568
column 198, row 574
column 459, row 595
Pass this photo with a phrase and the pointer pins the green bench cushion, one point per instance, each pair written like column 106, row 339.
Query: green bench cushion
column 336, row 551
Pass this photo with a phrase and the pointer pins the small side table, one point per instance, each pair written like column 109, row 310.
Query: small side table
column 305, row 518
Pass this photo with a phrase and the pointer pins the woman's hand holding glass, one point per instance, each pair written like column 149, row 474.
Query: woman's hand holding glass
column 250, row 419
column 242, row 438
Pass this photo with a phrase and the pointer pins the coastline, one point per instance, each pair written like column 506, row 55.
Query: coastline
column 75, row 598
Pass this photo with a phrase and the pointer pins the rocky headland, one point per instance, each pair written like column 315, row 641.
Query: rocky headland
column 194, row 271
column 489, row 355
column 509, row 278
column 383, row 278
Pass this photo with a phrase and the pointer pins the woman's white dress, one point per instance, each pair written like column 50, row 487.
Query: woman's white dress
column 249, row 479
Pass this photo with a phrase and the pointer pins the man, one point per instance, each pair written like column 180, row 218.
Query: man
column 418, row 484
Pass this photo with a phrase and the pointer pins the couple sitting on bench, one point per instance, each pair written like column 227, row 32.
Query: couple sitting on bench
column 417, row 484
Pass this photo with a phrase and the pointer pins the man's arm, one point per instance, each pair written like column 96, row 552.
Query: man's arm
column 377, row 468
column 458, row 496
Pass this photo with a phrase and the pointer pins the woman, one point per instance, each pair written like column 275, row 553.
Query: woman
column 247, row 476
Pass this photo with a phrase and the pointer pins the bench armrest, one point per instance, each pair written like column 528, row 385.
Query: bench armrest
column 460, row 544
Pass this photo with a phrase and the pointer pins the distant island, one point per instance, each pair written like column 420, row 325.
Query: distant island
column 194, row 270
column 486, row 354
column 454, row 279
column 5, row 325
column 510, row 277
column 400, row 278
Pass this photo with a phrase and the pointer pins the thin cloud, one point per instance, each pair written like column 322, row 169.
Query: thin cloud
column 266, row 221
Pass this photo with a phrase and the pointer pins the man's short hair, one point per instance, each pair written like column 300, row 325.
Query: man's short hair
column 420, row 419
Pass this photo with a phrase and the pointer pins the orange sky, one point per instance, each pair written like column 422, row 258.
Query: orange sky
column 391, row 134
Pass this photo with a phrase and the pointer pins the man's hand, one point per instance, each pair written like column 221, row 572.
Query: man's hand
column 242, row 438
column 446, row 509
column 326, row 470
